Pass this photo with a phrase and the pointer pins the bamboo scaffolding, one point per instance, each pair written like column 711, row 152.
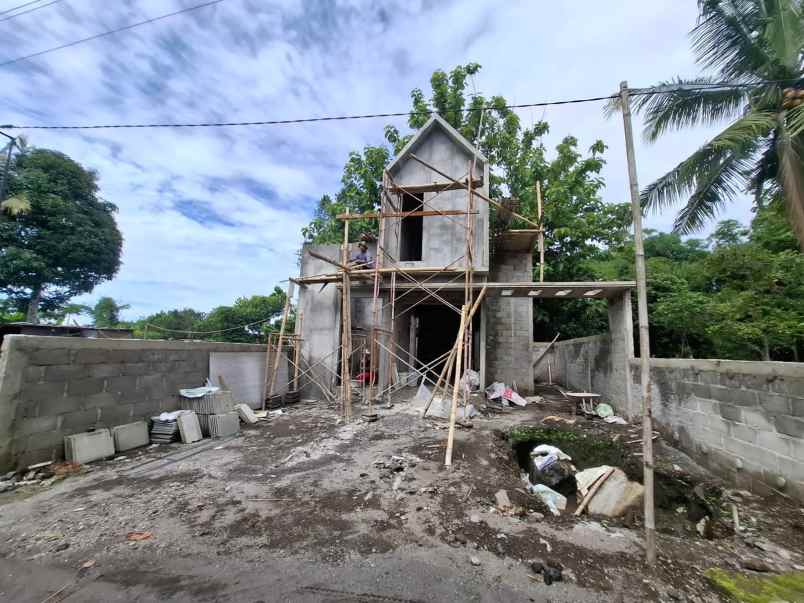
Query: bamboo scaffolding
column 454, row 408
column 278, row 352
column 541, row 231
column 297, row 350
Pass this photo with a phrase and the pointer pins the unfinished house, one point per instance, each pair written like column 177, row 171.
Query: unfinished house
column 397, row 320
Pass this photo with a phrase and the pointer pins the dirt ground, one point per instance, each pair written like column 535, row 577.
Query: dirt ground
column 302, row 508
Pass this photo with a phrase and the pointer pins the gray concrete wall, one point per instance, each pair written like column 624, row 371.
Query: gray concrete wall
column 321, row 332
column 509, row 325
column 744, row 420
column 56, row 386
column 444, row 237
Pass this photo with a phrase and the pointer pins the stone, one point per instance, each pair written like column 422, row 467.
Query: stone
column 616, row 495
column 503, row 502
column 189, row 427
column 474, row 561
column 88, row 446
column 131, row 435
column 755, row 564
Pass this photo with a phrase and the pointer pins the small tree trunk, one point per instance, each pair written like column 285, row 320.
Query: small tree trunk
column 33, row 306
column 765, row 348
column 795, row 352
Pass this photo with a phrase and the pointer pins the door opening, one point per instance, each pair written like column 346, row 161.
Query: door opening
column 412, row 229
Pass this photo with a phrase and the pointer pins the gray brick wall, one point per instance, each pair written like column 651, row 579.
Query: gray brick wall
column 509, row 330
column 54, row 386
column 744, row 420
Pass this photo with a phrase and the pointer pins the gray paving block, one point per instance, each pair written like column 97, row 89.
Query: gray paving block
column 88, row 446
column 222, row 425
column 219, row 402
column 189, row 428
column 245, row 413
column 131, row 435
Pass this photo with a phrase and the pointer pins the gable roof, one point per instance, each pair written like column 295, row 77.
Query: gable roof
column 436, row 121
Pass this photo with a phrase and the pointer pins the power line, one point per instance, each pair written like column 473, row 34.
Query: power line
column 277, row 122
column 11, row 10
column 30, row 10
column 109, row 33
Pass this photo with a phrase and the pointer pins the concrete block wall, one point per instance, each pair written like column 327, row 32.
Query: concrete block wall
column 509, row 325
column 743, row 420
column 56, row 386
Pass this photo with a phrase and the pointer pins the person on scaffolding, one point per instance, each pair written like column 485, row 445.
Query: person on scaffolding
column 361, row 258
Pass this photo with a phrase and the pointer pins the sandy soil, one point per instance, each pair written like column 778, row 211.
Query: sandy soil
column 302, row 508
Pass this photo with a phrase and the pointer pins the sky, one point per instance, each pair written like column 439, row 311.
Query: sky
column 212, row 214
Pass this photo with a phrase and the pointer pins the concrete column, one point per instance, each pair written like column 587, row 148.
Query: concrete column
column 621, row 333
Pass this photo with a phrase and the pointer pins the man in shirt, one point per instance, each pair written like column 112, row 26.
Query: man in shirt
column 361, row 258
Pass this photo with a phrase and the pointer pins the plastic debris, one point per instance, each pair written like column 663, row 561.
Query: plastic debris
column 198, row 392
column 615, row 419
column 604, row 410
column 554, row 501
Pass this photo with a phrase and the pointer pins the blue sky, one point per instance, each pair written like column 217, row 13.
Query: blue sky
column 209, row 215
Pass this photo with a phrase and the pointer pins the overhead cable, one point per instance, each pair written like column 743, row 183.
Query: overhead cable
column 277, row 122
column 30, row 10
column 108, row 33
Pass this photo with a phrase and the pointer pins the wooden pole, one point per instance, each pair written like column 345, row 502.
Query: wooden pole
column 346, row 330
column 278, row 353
column 644, row 335
column 297, row 351
column 454, row 409
column 541, row 231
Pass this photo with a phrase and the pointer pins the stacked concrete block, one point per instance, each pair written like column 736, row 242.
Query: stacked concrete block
column 211, row 404
column 130, row 436
column 189, row 427
column 89, row 446
column 223, row 425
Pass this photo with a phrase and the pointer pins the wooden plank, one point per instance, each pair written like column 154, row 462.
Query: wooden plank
column 373, row 215
column 454, row 408
column 593, row 490
column 479, row 194
column 435, row 187
column 324, row 258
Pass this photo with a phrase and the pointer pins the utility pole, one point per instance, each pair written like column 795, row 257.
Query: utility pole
column 644, row 336
column 4, row 185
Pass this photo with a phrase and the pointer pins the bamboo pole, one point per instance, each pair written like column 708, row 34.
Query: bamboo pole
column 454, row 408
column 644, row 334
column 346, row 330
column 297, row 351
column 541, row 231
column 481, row 195
column 281, row 341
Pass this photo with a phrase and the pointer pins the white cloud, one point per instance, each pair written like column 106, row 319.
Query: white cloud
column 253, row 60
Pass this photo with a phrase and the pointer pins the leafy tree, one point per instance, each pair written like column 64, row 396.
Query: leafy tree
column 246, row 311
column 747, row 42
column 169, row 324
column 106, row 312
column 65, row 244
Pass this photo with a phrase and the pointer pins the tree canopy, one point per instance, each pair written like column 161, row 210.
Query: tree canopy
column 60, row 239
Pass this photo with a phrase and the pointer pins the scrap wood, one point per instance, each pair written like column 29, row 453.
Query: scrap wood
column 560, row 419
column 593, row 490
column 137, row 535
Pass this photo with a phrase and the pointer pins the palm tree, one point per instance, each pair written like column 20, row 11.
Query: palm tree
column 19, row 203
column 758, row 45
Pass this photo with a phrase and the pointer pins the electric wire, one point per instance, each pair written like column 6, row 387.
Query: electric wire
column 30, row 10
column 277, row 122
column 108, row 33
column 11, row 10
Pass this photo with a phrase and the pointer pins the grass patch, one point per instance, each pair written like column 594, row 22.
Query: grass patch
column 759, row 589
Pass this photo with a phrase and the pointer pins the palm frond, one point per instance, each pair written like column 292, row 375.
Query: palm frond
column 716, row 184
column 716, row 167
column 682, row 103
column 724, row 38
column 16, row 205
column 795, row 121
column 757, row 124
column 791, row 171
column 784, row 32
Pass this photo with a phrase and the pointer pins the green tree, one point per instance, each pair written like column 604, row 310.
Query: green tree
column 65, row 244
column 249, row 319
column 106, row 312
column 169, row 324
column 748, row 42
